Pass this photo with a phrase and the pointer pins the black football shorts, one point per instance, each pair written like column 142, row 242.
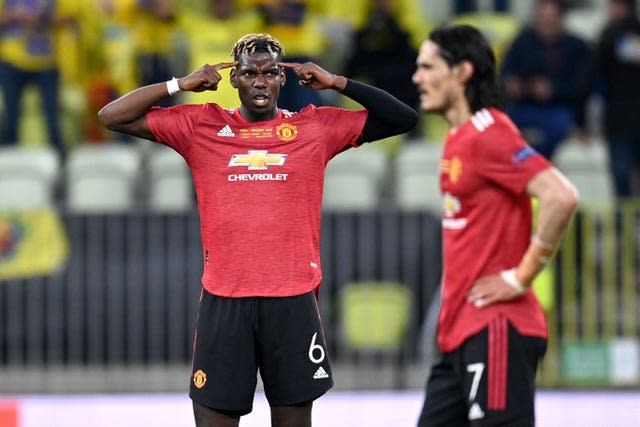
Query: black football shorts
column 281, row 337
column 488, row 381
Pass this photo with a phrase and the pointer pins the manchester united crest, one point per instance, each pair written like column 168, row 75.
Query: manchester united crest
column 453, row 167
column 199, row 378
column 286, row 131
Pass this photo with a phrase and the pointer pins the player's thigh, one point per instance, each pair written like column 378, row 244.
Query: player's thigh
column 444, row 403
column 206, row 417
column 498, row 367
column 293, row 358
column 224, row 372
column 297, row 415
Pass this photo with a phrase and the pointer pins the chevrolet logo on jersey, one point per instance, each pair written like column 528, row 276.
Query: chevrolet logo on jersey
column 451, row 207
column 257, row 160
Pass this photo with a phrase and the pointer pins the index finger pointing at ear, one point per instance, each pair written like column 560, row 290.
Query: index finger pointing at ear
column 224, row 65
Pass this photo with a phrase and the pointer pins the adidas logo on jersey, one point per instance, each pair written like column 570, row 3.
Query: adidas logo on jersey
column 226, row 131
column 320, row 373
column 475, row 413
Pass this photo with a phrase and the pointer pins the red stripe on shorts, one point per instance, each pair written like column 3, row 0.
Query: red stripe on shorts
column 9, row 413
column 498, row 362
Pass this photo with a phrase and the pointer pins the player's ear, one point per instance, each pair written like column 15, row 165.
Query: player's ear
column 464, row 70
column 283, row 76
column 234, row 78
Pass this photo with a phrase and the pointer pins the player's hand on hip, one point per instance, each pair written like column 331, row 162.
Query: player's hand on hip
column 206, row 77
column 490, row 290
column 315, row 77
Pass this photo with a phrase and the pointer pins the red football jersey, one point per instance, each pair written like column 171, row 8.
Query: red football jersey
column 487, row 223
column 259, row 188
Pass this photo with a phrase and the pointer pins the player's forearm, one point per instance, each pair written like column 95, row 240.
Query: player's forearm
column 339, row 83
column 387, row 115
column 132, row 106
column 554, row 216
column 557, row 203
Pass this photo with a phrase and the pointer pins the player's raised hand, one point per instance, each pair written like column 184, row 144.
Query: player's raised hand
column 313, row 76
column 206, row 77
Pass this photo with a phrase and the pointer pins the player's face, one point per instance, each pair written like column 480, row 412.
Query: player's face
column 258, row 79
column 436, row 81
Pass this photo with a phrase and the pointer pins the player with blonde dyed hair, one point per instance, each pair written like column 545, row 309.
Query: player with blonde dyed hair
column 252, row 42
column 258, row 172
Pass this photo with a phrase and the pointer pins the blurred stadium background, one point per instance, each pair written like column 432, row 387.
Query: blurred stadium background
column 100, row 261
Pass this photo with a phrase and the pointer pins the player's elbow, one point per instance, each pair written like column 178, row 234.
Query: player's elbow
column 113, row 121
column 107, row 118
column 572, row 200
column 566, row 200
column 408, row 121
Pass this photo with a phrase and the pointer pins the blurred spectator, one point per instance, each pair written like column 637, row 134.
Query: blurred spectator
column 356, row 13
column 467, row 6
column 615, row 72
column 110, row 55
column 542, row 73
column 292, row 23
column 155, row 28
column 77, row 62
column 116, row 44
column 498, row 27
column 383, row 54
column 209, row 36
column 28, row 56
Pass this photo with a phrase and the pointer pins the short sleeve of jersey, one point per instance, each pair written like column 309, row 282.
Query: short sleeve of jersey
column 173, row 126
column 506, row 159
column 343, row 128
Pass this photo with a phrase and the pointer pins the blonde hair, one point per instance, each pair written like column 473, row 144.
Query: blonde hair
column 252, row 43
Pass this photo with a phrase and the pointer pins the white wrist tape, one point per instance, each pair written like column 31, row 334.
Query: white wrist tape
column 509, row 276
column 544, row 245
column 173, row 87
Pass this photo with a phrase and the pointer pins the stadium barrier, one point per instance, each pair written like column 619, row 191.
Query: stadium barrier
column 128, row 292
column 594, row 314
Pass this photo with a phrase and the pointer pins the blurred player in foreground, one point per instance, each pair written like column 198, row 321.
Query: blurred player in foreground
column 491, row 330
column 258, row 172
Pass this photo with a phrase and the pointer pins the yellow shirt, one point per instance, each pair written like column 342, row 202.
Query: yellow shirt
column 499, row 28
column 153, row 35
column 115, row 46
column 72, row 58
column 30, row 49
column 210, row 41
column 306, row 39
column 356, row 12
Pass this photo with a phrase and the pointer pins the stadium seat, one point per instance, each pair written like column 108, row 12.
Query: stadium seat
column 373, row 325
column 417, row 177
column 353, row 179
column 587, row 167
column 374, row 316
column 169, row 181
column 28, row 177
column 102, row 178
